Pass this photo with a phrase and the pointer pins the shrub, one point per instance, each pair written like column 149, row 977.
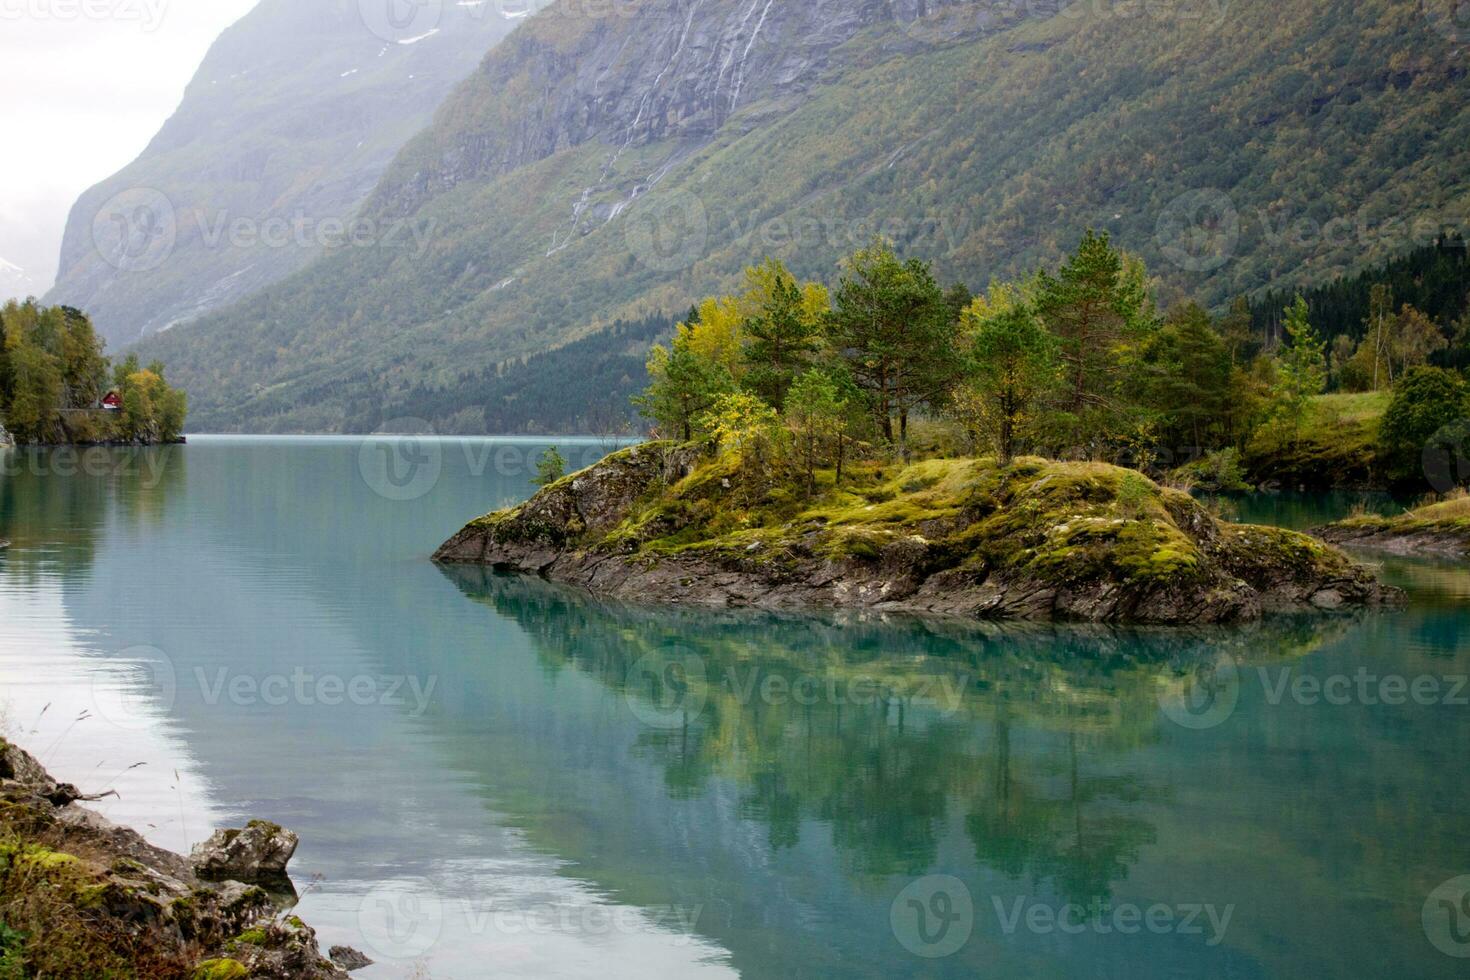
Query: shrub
column 1425, row 401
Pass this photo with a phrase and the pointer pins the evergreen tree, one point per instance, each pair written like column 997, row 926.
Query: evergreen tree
column 892, row 327
column 1011, row 361
column 550, row 467
column 1302, row 367
column 780, row 341
column 1097, row 307
column 1186, row 379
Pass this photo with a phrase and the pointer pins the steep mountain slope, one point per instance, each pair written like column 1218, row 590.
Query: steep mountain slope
column 620, row 165
column 291, row 119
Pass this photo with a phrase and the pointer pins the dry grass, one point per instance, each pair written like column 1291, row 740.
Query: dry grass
column 1451, row 506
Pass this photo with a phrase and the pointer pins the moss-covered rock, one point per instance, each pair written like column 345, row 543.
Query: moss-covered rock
column 1036, row 539
column 90, row 899
column 221, row 969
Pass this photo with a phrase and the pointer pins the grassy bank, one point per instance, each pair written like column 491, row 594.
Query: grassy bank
column 1335, row 447
column 1440, row 527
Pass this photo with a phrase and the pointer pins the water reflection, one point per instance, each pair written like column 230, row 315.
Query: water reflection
column 596, row 788
column 1044, row 749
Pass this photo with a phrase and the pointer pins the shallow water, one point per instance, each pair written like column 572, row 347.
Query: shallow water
column 496, row 776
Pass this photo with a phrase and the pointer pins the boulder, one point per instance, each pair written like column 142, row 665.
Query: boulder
column 348, row 958
column 259, row 852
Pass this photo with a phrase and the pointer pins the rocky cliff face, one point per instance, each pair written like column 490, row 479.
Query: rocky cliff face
column 292, row 118
column 1036, row 540
column 628, row 75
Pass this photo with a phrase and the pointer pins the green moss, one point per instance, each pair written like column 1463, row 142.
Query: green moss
column 250, row 937
column 221, row 969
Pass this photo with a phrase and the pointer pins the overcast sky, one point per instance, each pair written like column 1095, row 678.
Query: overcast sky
column 84, row 85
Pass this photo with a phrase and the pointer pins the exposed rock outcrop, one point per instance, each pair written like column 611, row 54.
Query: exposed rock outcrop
column 1036, row 540
column 89, row 898
column 628, row 75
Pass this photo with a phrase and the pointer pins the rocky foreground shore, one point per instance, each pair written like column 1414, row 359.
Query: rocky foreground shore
column 83, row 898
column 1033, row 540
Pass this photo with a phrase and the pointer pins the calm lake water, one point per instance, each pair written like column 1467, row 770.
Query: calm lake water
column 500, row 777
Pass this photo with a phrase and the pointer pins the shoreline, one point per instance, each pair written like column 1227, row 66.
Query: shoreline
column 75, row 889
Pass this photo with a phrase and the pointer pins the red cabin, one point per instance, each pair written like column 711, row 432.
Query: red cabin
column 112, row 402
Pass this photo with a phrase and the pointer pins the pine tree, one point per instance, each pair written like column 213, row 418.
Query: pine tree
column 780, row 341
column 893, row 329
column 1096, row 306
column 1012, row 361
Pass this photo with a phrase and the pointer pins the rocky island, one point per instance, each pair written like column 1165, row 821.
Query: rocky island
column 1036, row 539
column 81, row 897
column 1440, row 528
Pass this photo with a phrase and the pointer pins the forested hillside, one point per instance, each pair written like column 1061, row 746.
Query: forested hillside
column 598, row 168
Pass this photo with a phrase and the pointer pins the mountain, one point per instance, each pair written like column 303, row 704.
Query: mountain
column 15, row 282
column 293, row 116
column 620, row 161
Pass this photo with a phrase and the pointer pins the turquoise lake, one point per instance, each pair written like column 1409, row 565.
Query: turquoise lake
column 499, row 777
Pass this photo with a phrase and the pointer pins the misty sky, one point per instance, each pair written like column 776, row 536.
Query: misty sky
column 84, row 85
